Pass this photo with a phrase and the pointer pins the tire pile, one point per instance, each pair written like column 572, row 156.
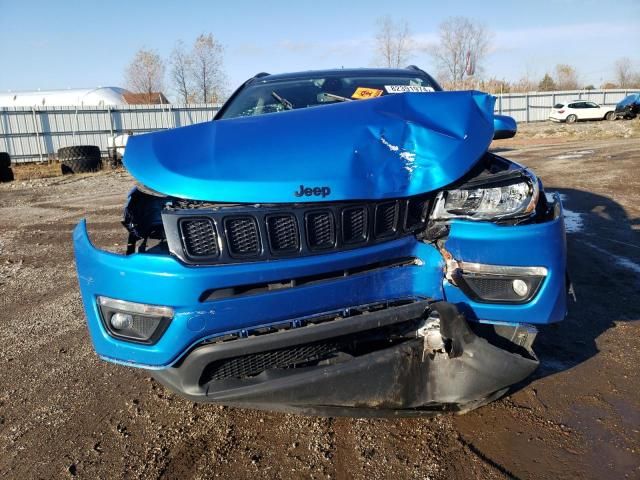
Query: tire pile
column 6, row 174
column 80, row 159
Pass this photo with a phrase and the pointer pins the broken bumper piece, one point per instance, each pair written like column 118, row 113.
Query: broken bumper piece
column 420, row 358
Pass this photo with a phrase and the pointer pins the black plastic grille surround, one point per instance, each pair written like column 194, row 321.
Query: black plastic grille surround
column 321, row 229
column 209, row 233
column 283, row 233
column 386, row 219
column 415, row 213
column 354, row 224
column 243, row 236
column 200, row 238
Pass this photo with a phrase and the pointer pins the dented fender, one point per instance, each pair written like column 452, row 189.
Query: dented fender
column 528, row 245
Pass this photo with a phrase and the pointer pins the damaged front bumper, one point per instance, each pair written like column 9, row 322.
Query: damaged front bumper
column 416, row 359
column 381, row 357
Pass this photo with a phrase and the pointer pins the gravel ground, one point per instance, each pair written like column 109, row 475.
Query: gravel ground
column 544, row 133
column 64, row 413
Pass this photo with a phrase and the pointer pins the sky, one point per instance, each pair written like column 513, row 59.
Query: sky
column 78, row 44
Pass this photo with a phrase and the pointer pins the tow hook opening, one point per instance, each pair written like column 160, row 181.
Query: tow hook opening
column 433, row 341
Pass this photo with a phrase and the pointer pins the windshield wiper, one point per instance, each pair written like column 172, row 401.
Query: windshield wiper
column 286, row 103
column 337, row 97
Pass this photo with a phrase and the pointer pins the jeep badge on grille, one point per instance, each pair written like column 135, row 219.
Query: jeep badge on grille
column 315, row 191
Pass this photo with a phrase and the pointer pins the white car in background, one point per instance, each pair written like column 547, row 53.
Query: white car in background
column 575, row 110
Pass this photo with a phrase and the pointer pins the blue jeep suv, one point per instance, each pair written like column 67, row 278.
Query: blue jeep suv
column 334, row 242
column 628, row 107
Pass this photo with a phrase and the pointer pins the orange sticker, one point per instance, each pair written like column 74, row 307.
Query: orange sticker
column 362, row 92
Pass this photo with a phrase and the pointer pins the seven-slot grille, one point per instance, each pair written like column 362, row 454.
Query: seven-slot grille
column 257, row 232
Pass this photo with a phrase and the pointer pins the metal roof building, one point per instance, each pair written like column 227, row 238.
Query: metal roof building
column 101, row 96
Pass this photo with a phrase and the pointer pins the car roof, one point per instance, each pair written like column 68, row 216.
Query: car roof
column 344, row 72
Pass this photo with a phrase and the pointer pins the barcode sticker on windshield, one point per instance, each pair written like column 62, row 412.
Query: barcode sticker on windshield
column 407, row 88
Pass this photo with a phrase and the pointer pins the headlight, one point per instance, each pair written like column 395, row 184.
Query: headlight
column 510, row 199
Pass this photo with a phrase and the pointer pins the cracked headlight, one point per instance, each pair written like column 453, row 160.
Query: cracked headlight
column 508, row 199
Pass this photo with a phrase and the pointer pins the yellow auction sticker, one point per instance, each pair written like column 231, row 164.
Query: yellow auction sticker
column 362, row 92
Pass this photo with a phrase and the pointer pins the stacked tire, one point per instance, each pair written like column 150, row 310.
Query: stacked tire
column 6, row 174
column 80, row 159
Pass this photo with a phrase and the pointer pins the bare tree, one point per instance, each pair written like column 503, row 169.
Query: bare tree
column 207, row 68
column 623, row 72
column 547, row 84
column 145, row 73
column 495, row 85
column 566, row 77
column 461, row 48
column 181, row 68
column 393, row 42
column 527, row 82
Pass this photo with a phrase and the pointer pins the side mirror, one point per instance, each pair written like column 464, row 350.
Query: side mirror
column 504, row 127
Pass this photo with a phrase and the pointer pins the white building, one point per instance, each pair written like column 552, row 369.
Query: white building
column 100, row 97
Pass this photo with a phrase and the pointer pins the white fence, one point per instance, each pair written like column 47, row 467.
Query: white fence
column 535, row 106
column 32, row 134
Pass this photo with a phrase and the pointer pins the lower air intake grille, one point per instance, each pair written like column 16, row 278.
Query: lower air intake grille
column 200, row 238
column 243, row 236
column 253, row 364
column 311, row 354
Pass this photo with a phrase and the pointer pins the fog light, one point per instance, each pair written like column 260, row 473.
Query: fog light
column 499, row 283
column 135, row 322
column 520, row 287
column 121, row 320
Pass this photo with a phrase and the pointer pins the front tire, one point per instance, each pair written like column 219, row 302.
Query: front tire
column 571, row 119
column 610, row 116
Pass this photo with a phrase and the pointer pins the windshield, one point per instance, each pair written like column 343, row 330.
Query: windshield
column 277, row 96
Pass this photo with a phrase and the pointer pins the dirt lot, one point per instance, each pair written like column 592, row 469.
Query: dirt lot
column 64, row 413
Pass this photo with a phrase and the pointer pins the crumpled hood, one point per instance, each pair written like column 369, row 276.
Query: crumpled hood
column 392, row 146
